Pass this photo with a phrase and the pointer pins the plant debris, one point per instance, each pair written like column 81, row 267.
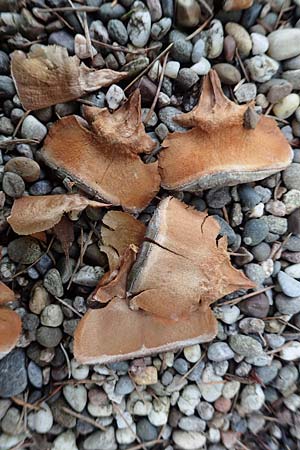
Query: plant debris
column 47, row 76
column 102, row 154
column 219, row 150
column 10, row 322
column 177, row 275
column 33, row 214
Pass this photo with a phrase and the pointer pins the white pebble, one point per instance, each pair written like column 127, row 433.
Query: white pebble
column 79, row 371
column 291, row 351
column 188, row 440
column 260, row 43
column 127, row 435
column 33, row 129
column 114, row 96
column 65, row 441
column 76, row 396
column 192, row 353
column 42, row 420
column 52, row 316
column 202, row 67
column 293, row 270
column 172, row 69
column 287, row 106
column 252, row 398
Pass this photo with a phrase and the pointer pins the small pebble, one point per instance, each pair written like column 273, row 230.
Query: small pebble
column 287, row 106
column 114, row 96
column 284, row 43
column 13, row 185
column 228, row 74
column 76, row 396
column 289, row 285
column 245, row 345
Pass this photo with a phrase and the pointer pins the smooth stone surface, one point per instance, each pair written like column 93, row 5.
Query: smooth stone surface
column 289, row 285
column 213, row 39
column 35, row 375
column 139, row 25
column 256, row 306
column 76, row 396
column 41, row 421
column 202, row 67
column 284, row 43
column 219, row 351
column 252, row 398
column 65, row 441
column 188, row 440
column 114, row 96
column 246, row 92
column 293, row 271
column 13, row 378
column 49, row 337
column 260, row 44
column 287, row 106
column 228, row 74
column 53, row 283
column 13, row 185
column 188, row 13
column 291, row 176
column 255, row 231
column 33, row 129
column 241, row 37
column 52, row 316
column 26, row 168
column 172, row 69
column 291, row 351
column 104, row 440
column 167, row 116
column 293, row 77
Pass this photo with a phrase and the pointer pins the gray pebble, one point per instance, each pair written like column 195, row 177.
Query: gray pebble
column 139, row 25
column 187, row 78
column 53, row 283
column 289, row 285
column 276, row 225
column 228, row 74
column 9, row 423
column 161, row 28
column 246, row 92
column 261, row 68
column 218, row 198
column 117, row 31
column 13, row 185
column 219, row 351
column 35, row 375
column 245, row 345
column 104, row 440
column 268, row 373
column 181, row 366
column 182, row 49
column 24, row 250
column 248, row 196
column 13, row 378
column 198, row 51
column 6, row 126
column 32, row 128
column 255, row 231
column 41, row 187
column 124, row 386
column 64, row 39
column 52, row 316
column 261, row 251
column 287, row 376
column 167, row 115
column 291, row 176
column 109, row 11
column 7, row 87
column 255, row 272
column 49, row 337
column 284, row 43
column 88, row 276
column 4, row 63
column 146, row 431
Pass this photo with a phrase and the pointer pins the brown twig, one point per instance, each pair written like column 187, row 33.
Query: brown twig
column 150, row 112
column 20, row 123
column 199, row 29
column 241, row 65
column 87, row 36
column 148, row 444
column 21, row 402
column 69, row 9
column 5, row 144
column 83, row 418
column 69, row 306
column 120, row 48
column 244, row 297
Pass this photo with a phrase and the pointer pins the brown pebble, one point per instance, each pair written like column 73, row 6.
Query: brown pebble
column 257, row 306
column 97, row 397
column 229, row 48
column 223, row 404
column 293, row 257
column 294, row 222
column 26, row 168
column 229, row 438
column 251, row 119
column 228, row 74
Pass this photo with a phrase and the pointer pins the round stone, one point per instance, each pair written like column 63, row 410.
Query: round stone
column 291, row 176
column 252, row 398
column 52, row 316
column 202, row 67
column 13, row 185
column 241, row 37
column 219, row 351
column 65, row 441
column 24, row 250
column 13, row 378
column 32, row 128
column 26, row 168
column 114, row 96
column 53, row 283
column 41, row 421
column 228, row 74
column 187, row 78
column 35, row 375
column 192, row 353
column 146, row 431
column 188, row 440
column 139, row 25
column 117, row 31
column 287, row 106
column 49, row 337
column 261, row 68
column 76, row 396
column 260, row 44
column 284, row 43
column 289, row 285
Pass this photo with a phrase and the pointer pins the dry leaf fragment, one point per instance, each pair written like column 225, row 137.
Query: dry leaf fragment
column 104, row 159
column 179, row 271
column 48, row 75
column 219, row 150
column 64, row 232
column 10, row 322
column 113, row 283
column 120, row 230
column 38, row 213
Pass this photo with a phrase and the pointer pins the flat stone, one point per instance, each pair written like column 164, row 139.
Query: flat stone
column 245, row 345
column 24, row 250
column 104, row 440
column 76, row 396
column 139, row 25
column 41, row 421
column 289, row 285
column 219, row 351
column 13, row 378
column 32, row 128
column 284, row 43
column 188, row 440
column 65, row 441
column 291, row 176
